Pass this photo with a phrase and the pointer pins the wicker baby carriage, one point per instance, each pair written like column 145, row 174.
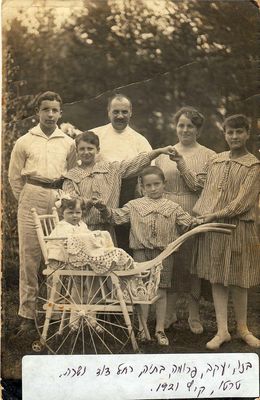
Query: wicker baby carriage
column 107, row 305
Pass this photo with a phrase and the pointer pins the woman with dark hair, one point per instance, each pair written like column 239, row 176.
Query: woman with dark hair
column 100, row 180
column 188, row 122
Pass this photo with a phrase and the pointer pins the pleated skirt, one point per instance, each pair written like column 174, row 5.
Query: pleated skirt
column 229, row 259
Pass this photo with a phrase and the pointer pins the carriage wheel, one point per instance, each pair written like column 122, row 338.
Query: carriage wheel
column 81, row 315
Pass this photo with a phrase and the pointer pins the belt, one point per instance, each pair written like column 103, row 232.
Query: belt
column 54, row 184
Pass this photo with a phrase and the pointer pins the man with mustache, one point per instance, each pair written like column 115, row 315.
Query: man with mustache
column 118, row 142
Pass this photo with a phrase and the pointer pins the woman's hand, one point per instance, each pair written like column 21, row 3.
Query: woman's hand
column 175, row 156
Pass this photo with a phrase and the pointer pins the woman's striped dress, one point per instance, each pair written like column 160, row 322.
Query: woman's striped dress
column 186, row 198
column 231, row 189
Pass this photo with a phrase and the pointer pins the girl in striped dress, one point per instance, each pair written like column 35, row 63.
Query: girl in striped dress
column 188, row 122
column 155, row 222
column 230, row 190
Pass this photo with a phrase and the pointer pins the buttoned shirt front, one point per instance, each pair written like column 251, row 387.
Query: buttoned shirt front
column 154, row 222
column 39, row 156
column 119, row 146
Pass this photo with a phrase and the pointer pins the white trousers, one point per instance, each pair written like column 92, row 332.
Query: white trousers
column 29, row 249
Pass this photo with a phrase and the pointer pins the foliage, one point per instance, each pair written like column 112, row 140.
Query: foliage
column 14, row 107
column 164, row 54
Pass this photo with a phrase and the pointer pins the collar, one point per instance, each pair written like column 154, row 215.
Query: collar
column 145, row 206
column 36, row 130
column 126, row 130
column 77, row 174
column 247, row 160
column 63, row 222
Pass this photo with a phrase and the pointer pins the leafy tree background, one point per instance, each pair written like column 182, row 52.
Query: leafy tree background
column 163, row 54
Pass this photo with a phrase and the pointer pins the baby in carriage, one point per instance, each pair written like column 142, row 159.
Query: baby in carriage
column 81, row 249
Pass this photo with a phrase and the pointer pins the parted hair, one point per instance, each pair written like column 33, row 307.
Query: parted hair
column 236, row 121
column 47, row 96
column 192, row 113
column 152, row 170
column 89, row 137
column 70, row 204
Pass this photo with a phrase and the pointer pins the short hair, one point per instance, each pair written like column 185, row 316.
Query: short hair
column 71, row 204
column 192, row 113
column 236, row 121
column 47, row 96
column 89, row 137
column 120, row 97
column 152, row 170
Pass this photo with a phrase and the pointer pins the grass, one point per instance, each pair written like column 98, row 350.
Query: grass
column 182, row 340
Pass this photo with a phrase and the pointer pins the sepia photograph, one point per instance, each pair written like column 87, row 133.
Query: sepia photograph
column 130, row 181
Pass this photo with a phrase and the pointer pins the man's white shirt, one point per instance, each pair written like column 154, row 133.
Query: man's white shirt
column 119, row 146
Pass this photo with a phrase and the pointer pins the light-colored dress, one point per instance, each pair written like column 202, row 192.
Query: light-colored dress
column 55, row 248
column 85, row 248
column 231, row 189
column 186, row 198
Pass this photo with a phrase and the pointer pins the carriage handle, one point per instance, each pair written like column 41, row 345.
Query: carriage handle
column 210, row 227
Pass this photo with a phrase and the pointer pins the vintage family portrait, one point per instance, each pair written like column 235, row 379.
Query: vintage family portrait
column 130, row 179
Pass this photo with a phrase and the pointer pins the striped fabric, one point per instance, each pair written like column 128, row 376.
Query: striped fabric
column 186, row 198
column 181, row 192
column 231, row 187
column 231, row 191
column 154, row 222
column 104, row 180
column 230, row 260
